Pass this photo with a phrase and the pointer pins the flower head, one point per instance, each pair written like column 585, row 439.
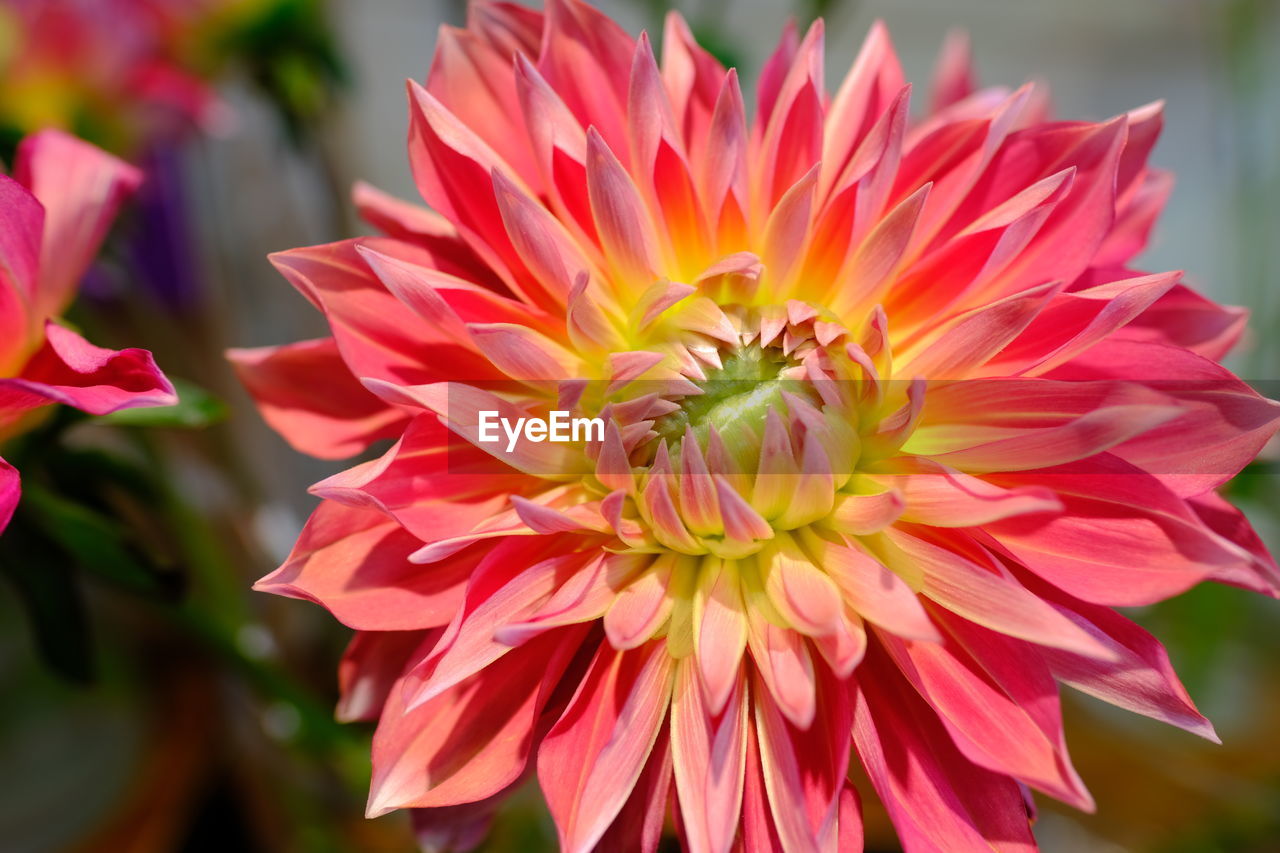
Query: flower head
column 56, row 209
column 889, row 424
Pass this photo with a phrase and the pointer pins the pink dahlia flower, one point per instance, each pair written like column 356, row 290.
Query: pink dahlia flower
column 889, row 424
column 54, row 213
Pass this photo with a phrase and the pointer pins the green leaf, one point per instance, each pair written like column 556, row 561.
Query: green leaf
column 196, row 409
column 93, row 541
column 46, row 586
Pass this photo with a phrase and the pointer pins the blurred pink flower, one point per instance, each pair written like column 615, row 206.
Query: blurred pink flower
column 121, row 71
column 891, row 425
column 54, row 213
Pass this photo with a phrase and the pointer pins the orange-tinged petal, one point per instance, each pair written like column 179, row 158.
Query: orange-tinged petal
column 710, row 760
column 720, row 630
column 594, row 755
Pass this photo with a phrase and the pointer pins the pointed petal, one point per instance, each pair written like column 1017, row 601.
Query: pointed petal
column 444, row 753
column 594, row 755
column 333, row 421
column 710, row 760
column 372, row 665
column 355, row 563
column 70, row 370
column 878, row 594
column 996, row 601
column 936, row 798
column 81, row 188
column 720, row 632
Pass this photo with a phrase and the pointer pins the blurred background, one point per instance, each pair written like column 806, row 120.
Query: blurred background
column 151, row 702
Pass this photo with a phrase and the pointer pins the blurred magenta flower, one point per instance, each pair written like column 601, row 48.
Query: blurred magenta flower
column 55, row 212
column 890, row 425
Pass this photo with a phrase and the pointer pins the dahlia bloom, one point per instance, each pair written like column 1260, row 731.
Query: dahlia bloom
column 54, row 213
column 890, row 425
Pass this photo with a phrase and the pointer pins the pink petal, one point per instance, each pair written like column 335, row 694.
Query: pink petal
column 459, row 406
column 333, row 421
column 375, row 336
column 999, row 702
column 1071, row 235
column 720, row 632
column 878, row 594
column 968, row 342
column 693, row 78
column 449, row 162
column 710, row 760
column 10, row 492
column 396, row 218
column 1140, row 680
column 81, row 189
column 940, row 496
column 806, row 597
column 639, row 825
column 785, row 666
column 355, row 563
column 21, row 224
column 1259, row 573
column 430, row 483
column 594, row 755
column 804, row 769
column 522, row 353
column 472, row 78
column 758, row 829
column 1135, row 219
column 1230, row 422
column 1184, row 318
column 790, row 145
column 722, row 162
column 584, row 597
column 1124, row 539
column 586, row 57
column 444, row 753
column 641, row 607
column 953, row 74
column 995, row 600
column 849, row 835
column 874, row 82
column 1009, row 424
column 1073, row 322
column 550, row 252
column 70, row 370
column 936, row 798
column 621, row 219
column 861, row 515
column 875, row 264
column 370, row 667
column 509, row 27
column 787, row 229
column 508, row 584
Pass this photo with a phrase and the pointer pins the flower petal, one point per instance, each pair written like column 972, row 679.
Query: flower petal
column 995, row 600
column 594, row 755
column 472, row 740
column 709, row 751
column 936, row 798
column 70, row 370
column 355, row 563
column 335, row 420
column 81, row 188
